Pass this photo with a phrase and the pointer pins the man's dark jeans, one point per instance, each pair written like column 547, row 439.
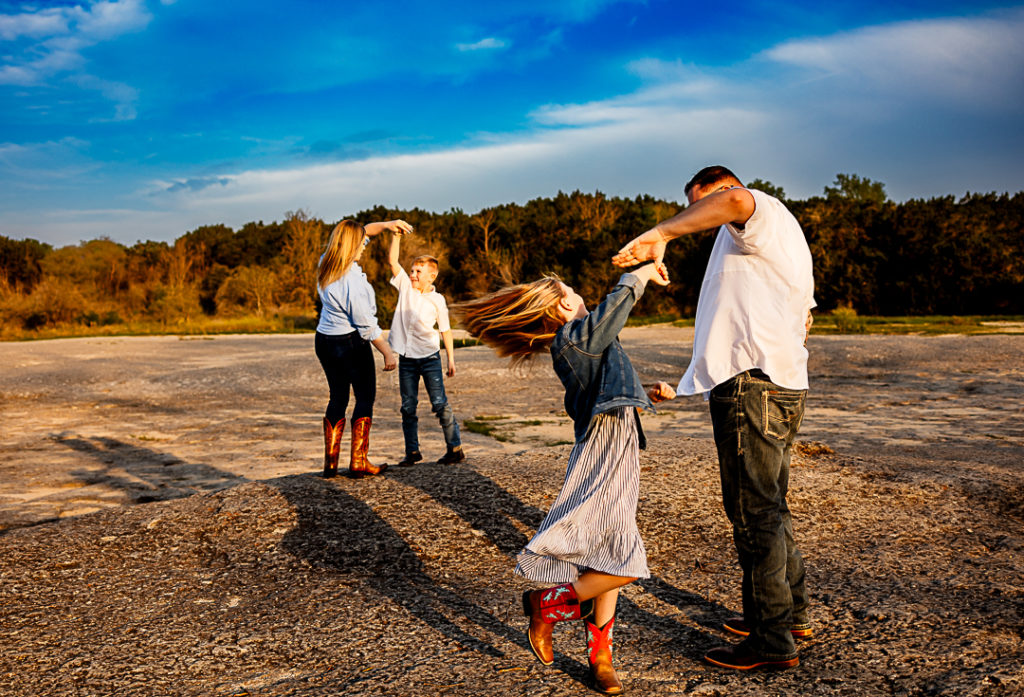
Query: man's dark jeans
column 755, row 423
column 409, row 372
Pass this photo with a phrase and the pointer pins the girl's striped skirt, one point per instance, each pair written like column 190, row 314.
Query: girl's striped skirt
column 592, row 524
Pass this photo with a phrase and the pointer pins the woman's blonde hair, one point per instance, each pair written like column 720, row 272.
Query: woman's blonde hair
column 342, row 249
column 516, row 321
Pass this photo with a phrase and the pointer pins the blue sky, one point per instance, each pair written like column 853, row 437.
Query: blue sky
column 143, row 119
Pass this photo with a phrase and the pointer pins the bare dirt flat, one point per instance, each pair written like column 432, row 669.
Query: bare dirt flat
column 163, row 530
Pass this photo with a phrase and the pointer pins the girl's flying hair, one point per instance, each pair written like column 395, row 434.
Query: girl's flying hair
column 342, row 250
column 516, row 321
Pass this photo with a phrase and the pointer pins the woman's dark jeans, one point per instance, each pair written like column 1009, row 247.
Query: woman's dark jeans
column 410, row 370
column 755, row 423
column 347, row 360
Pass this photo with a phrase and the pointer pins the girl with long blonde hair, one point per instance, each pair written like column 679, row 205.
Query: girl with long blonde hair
column 588, row 544
column 346, row 330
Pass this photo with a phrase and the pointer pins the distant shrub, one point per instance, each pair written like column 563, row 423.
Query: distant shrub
column 847, row 321
column 51, row 302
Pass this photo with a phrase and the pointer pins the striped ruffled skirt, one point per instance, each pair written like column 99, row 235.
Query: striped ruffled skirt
column 592, row 523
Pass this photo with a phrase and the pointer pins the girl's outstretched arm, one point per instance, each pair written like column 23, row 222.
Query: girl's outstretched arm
column 597, row 330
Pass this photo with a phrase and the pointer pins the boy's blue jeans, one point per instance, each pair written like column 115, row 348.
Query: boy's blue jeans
column 409, row 372
column 755, row 422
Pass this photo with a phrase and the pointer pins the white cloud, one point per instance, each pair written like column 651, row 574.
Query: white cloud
column 123, row 96
column 952, row 59
column 61, row 35
column 624, row 158
column 490, row 43
column 48, row 22
column 104, row 20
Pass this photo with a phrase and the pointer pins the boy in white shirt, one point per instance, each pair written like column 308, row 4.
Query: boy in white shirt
column 414, row 338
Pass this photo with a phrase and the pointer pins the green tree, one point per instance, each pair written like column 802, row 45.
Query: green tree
column 768, row 188
column 20, row 262
column 250, row 287
column 302, row 248
column 852, row 188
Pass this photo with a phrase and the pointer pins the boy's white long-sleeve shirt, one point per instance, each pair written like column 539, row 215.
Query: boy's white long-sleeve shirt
column 413, row 332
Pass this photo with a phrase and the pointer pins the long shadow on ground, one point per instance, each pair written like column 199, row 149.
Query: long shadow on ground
column 338, row 532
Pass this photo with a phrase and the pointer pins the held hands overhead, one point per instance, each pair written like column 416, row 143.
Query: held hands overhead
column 649, row 246
column 655, row 272
column 399, row 227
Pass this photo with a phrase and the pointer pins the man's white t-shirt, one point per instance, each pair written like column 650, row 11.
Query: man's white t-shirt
column 412, row 329
column 757, row 291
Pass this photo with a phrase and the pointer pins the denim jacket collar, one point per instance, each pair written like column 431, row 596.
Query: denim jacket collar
column 591, row 363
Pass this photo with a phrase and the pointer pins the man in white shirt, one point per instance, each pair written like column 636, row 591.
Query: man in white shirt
column 750, row 362
column 415, row 339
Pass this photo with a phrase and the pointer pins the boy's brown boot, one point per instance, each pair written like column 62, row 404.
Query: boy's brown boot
column 544, row 608
column 410, row 459
column 359, row 466
column 453, row 456
column 332, row 446
column 599, row 654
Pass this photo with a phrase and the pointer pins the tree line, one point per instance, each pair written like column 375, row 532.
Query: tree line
column 938, row 256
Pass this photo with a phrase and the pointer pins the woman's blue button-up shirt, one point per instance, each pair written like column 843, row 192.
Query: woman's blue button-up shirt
column 349, row 305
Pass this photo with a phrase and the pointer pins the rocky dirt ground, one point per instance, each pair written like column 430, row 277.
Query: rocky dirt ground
column 164, row 531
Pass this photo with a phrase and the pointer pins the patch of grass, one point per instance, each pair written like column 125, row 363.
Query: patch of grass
column 553, row 443
column 462, row 343
column 929, row 325
column 532, row 422
column 487, row 429
column 651, row 319
column 202, row 326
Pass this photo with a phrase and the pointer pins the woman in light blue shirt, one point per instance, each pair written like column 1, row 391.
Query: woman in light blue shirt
column 347, row 328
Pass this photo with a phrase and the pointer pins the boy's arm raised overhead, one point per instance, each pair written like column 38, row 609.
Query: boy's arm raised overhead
column 393, row 250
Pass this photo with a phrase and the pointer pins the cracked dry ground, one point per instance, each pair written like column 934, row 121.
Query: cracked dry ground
column 165, row 533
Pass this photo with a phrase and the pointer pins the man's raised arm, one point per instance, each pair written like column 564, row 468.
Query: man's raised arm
column 733, row 205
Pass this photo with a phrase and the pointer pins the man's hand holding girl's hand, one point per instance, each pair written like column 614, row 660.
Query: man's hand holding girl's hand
column 649, row 246
column 655, row 272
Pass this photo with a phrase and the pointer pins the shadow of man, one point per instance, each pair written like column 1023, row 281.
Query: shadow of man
column 487, row 507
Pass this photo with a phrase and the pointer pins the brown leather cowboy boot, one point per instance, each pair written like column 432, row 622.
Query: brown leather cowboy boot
column 332, row 446
column 544, row 608
column 599, row 653
column 359, row 466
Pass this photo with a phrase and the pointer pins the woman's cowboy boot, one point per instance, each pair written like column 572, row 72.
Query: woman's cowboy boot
column 332, row 446
column 359, row 466
column 544, row 608
column 599, row 653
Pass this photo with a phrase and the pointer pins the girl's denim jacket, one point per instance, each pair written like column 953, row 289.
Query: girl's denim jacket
column 592, row 365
